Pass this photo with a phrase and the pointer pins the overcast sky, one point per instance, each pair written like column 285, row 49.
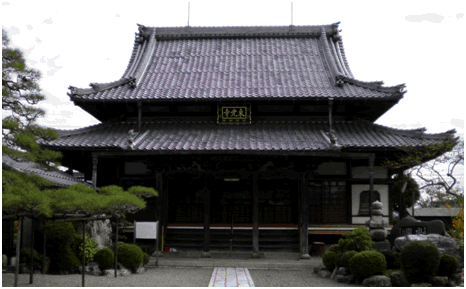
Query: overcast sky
column 420, row 43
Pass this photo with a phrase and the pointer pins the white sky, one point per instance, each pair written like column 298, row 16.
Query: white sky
column 420, row 43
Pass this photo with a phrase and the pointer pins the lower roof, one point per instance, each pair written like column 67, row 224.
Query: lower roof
column 188, row 135
column 58, row 178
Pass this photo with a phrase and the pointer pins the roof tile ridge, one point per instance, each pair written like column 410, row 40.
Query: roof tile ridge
column 145, row 58
column 399, row 89
column 133, row 56
column 327, row 55
column 70, row 132
column 342, row 52
column 416, row 132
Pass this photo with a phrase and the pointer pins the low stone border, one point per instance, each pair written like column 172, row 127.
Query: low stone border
column 93, row 269
column 396, row 279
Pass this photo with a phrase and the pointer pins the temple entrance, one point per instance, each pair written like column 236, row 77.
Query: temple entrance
column 231, row 203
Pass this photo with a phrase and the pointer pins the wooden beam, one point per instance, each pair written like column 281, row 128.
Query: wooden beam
column 159, row 186
column 304, row 250
column 255, row 215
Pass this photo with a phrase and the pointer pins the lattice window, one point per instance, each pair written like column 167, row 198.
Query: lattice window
column 327, row 202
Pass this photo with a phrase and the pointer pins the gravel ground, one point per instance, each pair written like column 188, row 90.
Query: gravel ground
column 161, row 277
column 275, row 278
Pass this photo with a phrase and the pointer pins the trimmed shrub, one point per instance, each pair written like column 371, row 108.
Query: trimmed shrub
column 60, row 237
column 344, row 260
column 130, row 256
column 25, row 257
column 338, row 260
column 389, row 257
column 146, row 259
column 367, row 263
column 397, row 261
column 420, row 261
column 329, row 260
column 105, row 258
column 357, row 240
column 335, row 248
column 448, row 265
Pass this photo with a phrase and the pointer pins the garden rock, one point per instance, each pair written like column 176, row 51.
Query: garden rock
column 457, row 278
column 121, row 272
column 4, row 261
column 445, row 245
column 318, row 268
column 343, row 271
column 140, row 270
column 399, row 280
column 421, row 285
column 344, row 279
column 324, row 273
column 433, row 227
column 439, row 281
column 377, row 281
column 451, row 283
column 334, row 274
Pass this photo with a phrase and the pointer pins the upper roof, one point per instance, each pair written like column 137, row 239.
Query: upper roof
column 191, row 135
column 58, row 178
column 264, row 62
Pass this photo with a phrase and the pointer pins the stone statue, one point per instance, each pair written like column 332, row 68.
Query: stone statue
column 376, row 223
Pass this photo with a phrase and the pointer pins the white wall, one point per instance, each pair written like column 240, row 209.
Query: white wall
column 356, row 190
column 331, row 168
column 363, row 172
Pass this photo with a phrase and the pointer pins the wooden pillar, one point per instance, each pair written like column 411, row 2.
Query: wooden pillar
column 205, row 250
column 159, row 185
column 304, row 250
column 371, row 183
column 44, row 247
column 18, row 249
column 31, row 264
column 401, row 202
column 95, row 160
column 116, row 246
column 84, row 255
column 255, row 215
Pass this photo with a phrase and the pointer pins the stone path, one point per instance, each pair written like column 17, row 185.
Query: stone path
column 231, row 277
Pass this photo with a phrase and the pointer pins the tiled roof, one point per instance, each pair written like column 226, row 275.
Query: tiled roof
column 237, row 63
column 260, row 136
column 434, row 212
column 57, row 177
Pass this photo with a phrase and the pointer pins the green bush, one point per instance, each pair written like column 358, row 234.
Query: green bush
column 329, row 260
column 389, row 257
column 60, row 237
column 338, row 260
column 25, row 257
column 357, row 240
column 105, row 258
column 335, row 248
column 367, row 263
column 146, row 259
column 91, row 249
column 397, row 262
column 130, row 256
column 344, row 260
column 448, row 265
column 420, row 261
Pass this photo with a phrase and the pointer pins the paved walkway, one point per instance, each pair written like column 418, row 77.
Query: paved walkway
column 231, row 277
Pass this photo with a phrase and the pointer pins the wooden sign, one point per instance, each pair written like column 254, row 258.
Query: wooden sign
column 234, row 114
column 146, row 230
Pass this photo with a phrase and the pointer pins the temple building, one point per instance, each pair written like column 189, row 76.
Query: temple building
column 256, row 138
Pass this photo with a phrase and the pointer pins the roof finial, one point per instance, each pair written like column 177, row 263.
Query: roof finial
column 188, row 12
column 291, row 13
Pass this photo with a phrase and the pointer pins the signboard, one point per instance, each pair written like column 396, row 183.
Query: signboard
column 413, row 230
column 234, row 113
column 146, row 230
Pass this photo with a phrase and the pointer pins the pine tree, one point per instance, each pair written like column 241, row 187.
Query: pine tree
column 20, row 95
